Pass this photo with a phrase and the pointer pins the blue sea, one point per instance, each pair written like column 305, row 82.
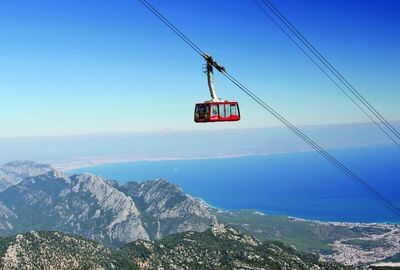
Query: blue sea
column 297, row 184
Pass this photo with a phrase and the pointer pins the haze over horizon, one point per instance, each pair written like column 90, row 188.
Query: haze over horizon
column 84, row 149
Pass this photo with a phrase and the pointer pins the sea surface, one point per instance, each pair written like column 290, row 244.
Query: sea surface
column 297, row 184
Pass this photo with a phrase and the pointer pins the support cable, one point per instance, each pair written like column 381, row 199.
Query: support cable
column 171, row 26
column 331, row 68
column 354, row 177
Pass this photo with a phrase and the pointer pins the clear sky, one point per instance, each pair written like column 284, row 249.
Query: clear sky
column 73, row 66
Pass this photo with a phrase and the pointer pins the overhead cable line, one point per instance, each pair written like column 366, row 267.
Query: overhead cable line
column 331, row 68
column 354, row 177
column 394, row 208
column 326, row 73
column 172, row 27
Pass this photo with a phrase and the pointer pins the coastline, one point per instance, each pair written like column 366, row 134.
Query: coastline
column 144, row 163
column 80, row 163
column 88, row 163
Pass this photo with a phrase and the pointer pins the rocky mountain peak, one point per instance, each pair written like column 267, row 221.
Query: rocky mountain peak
column 229, row 233
column 25, row 167
column 168, row 209
column 14, row 172
column 48, row 179
column 22, row 163
column 220, row 247
column 56, row 251
column 57, row 175
column 89, row 205
column 88, row 177
column 89, row 182
column 84, row 204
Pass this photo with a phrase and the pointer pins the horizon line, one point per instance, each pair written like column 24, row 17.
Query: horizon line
column 166, row 131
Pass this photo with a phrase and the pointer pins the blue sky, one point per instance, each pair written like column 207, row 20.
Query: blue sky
column 71, row 67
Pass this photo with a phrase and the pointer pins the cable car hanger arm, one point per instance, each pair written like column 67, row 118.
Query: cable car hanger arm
column 210, row 64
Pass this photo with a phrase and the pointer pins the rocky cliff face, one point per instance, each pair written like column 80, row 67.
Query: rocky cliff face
column 95, row 208
column 84, row 204
column 167, row 209
column 14, row 172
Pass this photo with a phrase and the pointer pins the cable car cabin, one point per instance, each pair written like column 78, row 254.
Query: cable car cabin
column 216, row 112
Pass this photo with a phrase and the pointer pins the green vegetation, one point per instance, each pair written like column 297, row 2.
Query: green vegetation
column 304, row 235
column 394, row 258
column 366, row 244
column 222, row 249
column 54, row 250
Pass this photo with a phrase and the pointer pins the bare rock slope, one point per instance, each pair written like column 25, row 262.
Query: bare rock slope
column 167, row 209
column 91, row 206
column 84, row 204
column 14, row 172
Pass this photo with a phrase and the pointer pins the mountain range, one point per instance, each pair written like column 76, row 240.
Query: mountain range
column 219, row 247
column 141, row 218
column 92, row 207
column 14, row 172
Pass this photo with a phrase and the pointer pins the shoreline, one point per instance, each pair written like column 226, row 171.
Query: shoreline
column 77, row 164
column 80, row 163
column 66, row 166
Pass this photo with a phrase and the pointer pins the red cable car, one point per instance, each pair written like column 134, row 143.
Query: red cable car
column 215, row 110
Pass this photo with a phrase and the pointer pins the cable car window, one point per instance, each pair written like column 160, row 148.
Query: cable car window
column 203, row 109
column 214, row 110
column 234, row 109
column 228, row 110
column 222, row 110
